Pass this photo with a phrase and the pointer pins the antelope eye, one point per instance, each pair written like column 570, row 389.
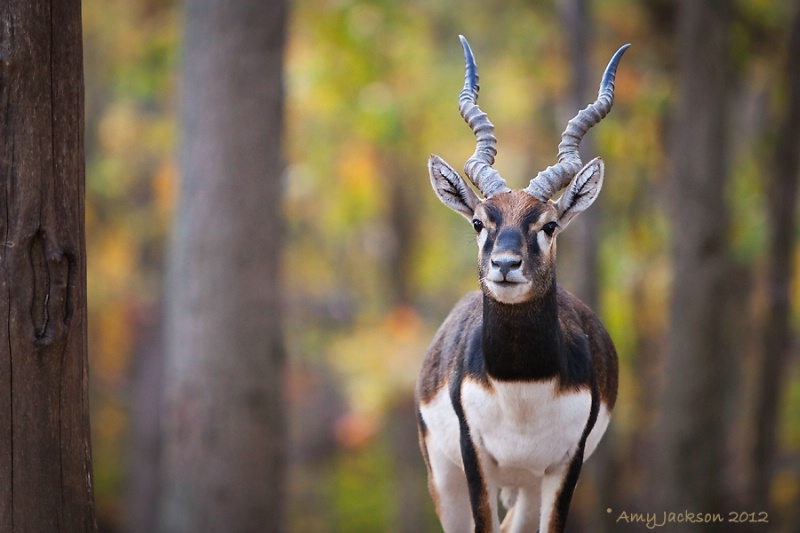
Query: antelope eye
column 478, row 225
column 549, row 228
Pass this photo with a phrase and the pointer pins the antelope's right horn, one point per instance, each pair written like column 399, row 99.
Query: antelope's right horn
column 478, row 168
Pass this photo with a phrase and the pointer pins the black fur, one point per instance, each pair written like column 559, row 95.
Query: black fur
column 525, row 342
column 478, row 493
column 573, row 473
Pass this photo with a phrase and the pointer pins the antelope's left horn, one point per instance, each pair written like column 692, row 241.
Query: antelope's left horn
column 554, row 178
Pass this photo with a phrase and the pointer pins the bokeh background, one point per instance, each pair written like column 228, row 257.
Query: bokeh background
column 373, row 262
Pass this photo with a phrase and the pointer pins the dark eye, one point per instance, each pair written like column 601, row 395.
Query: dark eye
column 478, row 225
column 549, row 228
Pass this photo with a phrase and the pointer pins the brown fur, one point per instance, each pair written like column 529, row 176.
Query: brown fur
column 447, row 345
column 575, row 318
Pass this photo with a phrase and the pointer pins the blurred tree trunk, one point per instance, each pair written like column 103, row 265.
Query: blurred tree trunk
column 403, row 443
column 45, row 452
column 583, row 233
column 699, row 370
column 403, row 219
column 225, row 426
column 146, row 386
column 777, row 337
column 581, row 260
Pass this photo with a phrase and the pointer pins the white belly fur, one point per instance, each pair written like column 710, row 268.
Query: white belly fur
column 525, row 428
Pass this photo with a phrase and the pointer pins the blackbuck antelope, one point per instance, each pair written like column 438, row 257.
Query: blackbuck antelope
column 517, row 388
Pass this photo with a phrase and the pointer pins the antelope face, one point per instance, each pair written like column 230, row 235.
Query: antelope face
column 516, row 232
column 516, row 245
column 517, row 229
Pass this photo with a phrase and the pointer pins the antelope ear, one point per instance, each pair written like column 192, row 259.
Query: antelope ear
column 451, row 188
column 581, row 192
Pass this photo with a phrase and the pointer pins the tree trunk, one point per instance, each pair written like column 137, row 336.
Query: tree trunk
column 583, row 232
column 699, row 369
column 145, row 386
column 224, row 449
column 777, row 339
column 581, row 261
column 45, row 452
column 403, row 219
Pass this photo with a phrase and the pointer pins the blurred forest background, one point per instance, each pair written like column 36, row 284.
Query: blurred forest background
column 372, row 261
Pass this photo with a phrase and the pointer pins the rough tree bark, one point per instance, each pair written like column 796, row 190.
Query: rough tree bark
column 699, row 369
column 45, row 453
column 224, row 427
column 782, row 210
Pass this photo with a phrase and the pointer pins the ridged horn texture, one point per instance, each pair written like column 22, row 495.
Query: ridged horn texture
column 554, row 178
column 478, row 168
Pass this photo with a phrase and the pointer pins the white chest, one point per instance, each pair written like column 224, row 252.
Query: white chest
column 523, row 429
column 529, row 426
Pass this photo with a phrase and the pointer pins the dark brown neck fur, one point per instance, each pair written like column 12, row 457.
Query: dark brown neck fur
column 522, row 342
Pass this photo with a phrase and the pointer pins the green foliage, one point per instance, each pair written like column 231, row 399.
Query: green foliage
column 130, row 58
column 362, row 491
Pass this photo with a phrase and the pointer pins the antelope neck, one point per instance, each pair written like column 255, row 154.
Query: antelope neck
column 522, row 342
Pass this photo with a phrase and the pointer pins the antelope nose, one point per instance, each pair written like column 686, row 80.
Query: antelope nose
column 506, row 264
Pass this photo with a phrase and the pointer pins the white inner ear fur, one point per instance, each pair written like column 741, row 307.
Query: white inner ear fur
column 451, row 188
column 581, row 192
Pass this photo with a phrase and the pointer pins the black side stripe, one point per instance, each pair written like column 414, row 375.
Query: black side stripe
column 423, row 433
column 571, row 480
column 478, row 495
